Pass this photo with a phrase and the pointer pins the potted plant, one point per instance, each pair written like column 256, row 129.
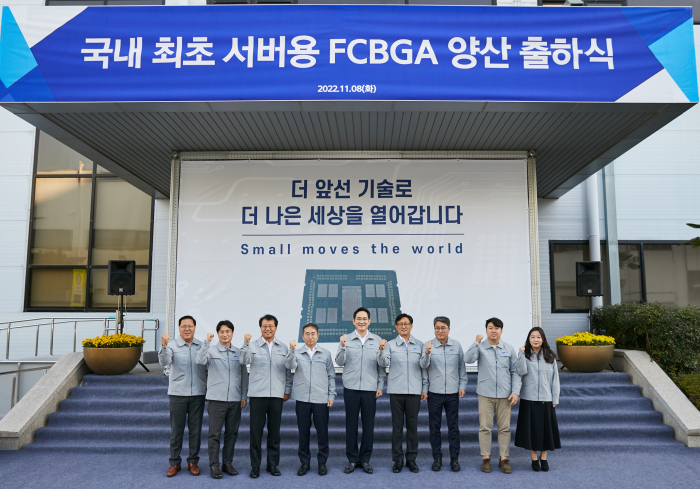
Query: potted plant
column 585, row 352
column 112, row 354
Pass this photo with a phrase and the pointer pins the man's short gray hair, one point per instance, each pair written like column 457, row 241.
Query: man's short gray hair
column 442, row 319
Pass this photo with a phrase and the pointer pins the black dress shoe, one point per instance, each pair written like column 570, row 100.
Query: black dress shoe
column 367, row 468
column 397, row 467
column 228, row 468
column 273, row 470
column 454, row 464
column 437, row 464
column 350, row 468
column 536, row 465
column 254, row 472
column 303, row 469
column 216, row 472
column 545, row 465
column 322, row 470
column 412, row 466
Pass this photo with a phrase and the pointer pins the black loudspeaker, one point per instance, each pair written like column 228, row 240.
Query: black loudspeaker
column 589, row 282
column 122, row 277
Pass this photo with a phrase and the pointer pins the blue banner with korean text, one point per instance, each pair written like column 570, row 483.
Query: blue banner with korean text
column 361, row 52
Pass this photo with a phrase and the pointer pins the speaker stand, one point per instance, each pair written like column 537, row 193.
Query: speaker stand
column 119, row 316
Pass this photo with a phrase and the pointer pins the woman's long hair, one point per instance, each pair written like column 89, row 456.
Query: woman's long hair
column 545, row 350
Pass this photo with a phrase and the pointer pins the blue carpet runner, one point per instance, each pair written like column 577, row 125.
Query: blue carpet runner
column 129, row 414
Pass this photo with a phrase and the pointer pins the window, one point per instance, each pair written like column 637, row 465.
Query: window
column 562, row 259
column 664, row 272
column 82, row 216
column 672, row 274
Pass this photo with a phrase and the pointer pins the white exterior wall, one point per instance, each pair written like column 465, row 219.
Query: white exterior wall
column 658, row 182
column 17, row 149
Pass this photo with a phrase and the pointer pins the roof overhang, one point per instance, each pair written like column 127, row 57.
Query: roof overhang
column 130, row 120
column 136, row 141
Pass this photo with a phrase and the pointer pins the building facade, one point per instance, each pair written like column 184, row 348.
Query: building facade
column 63, row 215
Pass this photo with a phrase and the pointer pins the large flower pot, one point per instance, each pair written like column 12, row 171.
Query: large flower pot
column 112, row 361
column 585, row 358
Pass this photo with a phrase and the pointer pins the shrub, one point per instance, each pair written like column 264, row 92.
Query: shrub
column 114, row 341
column 690, row 385
column 669, row 334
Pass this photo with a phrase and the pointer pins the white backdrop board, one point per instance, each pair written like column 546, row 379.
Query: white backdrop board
column 310, row 240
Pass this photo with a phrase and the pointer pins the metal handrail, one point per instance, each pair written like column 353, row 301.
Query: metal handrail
column 53, row 322
column 16, row 375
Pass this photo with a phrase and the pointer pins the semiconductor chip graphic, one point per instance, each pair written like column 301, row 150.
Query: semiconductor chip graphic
column 331, row 296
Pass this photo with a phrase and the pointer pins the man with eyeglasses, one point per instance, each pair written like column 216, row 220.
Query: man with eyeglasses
column 187, row 385
column 447, row 382
column 363, row 383
column 407, row 386
column 314, row 392
column 270, row 384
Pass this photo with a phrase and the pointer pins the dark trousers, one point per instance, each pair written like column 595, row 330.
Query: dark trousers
column 190, row 410
column 404, row 406
column 260, row 409
column 356, row 402
column 227, row 415
column 320, row 413
column 436, row 403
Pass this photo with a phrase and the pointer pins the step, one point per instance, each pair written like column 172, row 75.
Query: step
column 599, row 418
column 287, row 449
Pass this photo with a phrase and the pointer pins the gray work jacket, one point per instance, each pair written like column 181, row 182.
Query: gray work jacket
column 268, row 375
column 314, row 378
column 498, row 369
column 447, row 373
column 186, row 377
column 540, row 379
column 227, row 379
column 361, row 370
column 403, row 359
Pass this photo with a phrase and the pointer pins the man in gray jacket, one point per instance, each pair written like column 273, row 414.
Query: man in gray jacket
column 314, row 392
column 407, row 385
column 270, row 386
column 447, row 383
column 363, row 383
column 227, row 392
column 186, row 387
column 498, row 389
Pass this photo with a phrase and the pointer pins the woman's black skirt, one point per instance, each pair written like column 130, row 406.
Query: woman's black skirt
column 537, row 426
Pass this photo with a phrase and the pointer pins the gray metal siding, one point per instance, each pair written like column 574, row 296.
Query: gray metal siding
column 566, row 137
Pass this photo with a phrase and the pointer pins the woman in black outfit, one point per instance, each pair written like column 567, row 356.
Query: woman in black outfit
column 537, row 429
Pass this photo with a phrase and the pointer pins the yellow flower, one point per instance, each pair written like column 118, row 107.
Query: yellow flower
column 585, row 339
column 114, row 341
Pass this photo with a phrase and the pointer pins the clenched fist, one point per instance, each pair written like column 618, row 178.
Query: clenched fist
column 479, row 337
column 164, row 340
column 342, row 341
column 382, row 344
column 210, row 336
column 293, row 344
column 246, row 338
column 428, row 347
column 522, row 348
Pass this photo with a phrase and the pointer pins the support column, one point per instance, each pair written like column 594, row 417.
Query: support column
column 593, row 227
column 172, row 241
column 534, row 239
column 613, row 253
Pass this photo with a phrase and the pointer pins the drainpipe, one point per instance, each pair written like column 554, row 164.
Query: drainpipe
column 593, row 227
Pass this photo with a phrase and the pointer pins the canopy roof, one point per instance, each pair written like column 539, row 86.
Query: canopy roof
column 128, row 86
